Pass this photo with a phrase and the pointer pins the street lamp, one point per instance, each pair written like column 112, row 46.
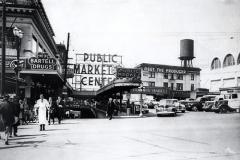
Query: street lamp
column 141, row 99
column 18, row 34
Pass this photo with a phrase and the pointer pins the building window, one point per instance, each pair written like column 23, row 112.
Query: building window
column 179, row 86
column 165, row 84
column 172, row 77
column 216, row 63
column 192, row 77
column 34, row 44
column 10, row 40
column 180, row 76
column 152, row 75
column 228, row 60
column 165, row 76
column 192, row 87
column 40, row 48
column 238, row 60
column 172, row 86
column 152, row 84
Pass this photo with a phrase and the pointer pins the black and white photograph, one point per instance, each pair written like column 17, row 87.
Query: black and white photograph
column 120, row 79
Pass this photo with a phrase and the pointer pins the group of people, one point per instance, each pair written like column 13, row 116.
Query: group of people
column 12, row 114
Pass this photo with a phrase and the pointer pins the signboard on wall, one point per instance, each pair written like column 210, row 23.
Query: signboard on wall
column 130, row 73
column 94, row 70
column 42, row 62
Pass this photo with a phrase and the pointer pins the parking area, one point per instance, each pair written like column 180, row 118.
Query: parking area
column 191, row 135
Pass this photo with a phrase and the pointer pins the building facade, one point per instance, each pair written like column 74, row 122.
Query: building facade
column 169, row 81
column 42, row 70
column 225, row 71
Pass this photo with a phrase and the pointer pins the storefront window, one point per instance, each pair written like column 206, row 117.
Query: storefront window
column 152, row 75
column 179, row 86
column 192, row 87
column 165, row 76
column 152, row 84
column 192, row 77
column 165, row 84
column 172, row 86
column 180, row 77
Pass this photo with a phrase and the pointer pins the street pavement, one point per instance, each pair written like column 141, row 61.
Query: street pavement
column 193, row 135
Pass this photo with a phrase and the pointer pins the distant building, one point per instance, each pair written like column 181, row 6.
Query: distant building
column 225, row 71
column 164, row 81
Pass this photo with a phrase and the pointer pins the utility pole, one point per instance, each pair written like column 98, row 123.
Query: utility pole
column 3, row 47
column 66, row 60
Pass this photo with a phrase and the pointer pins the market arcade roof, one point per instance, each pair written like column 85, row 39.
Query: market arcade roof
column 118, row 85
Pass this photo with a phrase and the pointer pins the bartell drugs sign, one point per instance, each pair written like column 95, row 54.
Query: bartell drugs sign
column 42, row 62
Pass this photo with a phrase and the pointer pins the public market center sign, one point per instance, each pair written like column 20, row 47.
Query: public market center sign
column 94, row 70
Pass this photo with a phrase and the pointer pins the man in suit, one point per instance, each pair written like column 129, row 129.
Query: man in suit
column 6, row 117
column 60, row 109
column 110, row 108
column 16, row 108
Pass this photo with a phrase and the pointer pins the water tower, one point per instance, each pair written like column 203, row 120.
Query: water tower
column 186, row 52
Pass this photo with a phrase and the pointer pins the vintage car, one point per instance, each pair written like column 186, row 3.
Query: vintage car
column 198, row 104
column 230, row 103
column 208, row 105
column 166, row 107
column 222, row 107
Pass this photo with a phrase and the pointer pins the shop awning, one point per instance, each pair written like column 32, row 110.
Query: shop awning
column 116, row 86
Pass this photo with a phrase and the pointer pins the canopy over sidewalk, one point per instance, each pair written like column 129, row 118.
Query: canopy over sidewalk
column 118, row 85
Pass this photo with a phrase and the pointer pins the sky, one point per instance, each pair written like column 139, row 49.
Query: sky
column 147, row 31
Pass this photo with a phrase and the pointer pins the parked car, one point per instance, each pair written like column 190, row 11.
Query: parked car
column 166, row 107
column 223, row 107
column 230, row 103
column 208, row 105
column 197, row 105
column 180, row 107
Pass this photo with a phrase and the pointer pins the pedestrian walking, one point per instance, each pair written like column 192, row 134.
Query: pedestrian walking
column 43, row 106
column 60, row 106
column 16, row 108
column 21, row 115
column 35, row 110
column 52, row 110
column 6, row 117
column 110, row 108
column 26, row 109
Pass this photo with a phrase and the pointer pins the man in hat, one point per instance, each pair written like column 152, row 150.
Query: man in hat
column 6, row 117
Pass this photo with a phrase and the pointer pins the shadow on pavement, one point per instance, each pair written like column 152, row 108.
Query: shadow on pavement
column 32, row 135
column 30, row 142
column 22, row 144
column 54, row 130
